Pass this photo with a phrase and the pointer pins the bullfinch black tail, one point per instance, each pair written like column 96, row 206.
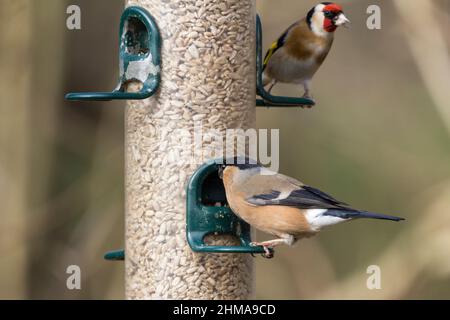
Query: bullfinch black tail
column 355, row 214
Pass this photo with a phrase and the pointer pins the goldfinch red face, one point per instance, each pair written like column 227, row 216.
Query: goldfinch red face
column 326, row 17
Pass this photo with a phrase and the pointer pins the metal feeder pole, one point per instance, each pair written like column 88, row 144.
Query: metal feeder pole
column 208, row 80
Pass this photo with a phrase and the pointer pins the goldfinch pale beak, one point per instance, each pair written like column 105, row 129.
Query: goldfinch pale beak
column 342, row 21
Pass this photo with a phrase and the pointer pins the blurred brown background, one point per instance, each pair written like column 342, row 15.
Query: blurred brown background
column 379, row 139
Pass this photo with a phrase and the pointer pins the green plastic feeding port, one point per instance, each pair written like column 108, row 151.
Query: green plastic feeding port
column 208, row 213
column 267, row 99
column 117, row 255
column 140, row 59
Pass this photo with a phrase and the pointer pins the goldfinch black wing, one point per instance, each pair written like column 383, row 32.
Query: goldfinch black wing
column 277, row 45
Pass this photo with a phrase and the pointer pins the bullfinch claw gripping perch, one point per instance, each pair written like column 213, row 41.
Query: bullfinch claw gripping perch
column 283, row 206
column 268, row 251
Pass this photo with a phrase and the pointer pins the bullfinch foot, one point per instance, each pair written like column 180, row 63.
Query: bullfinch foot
column 268, row 252
column 268, row 246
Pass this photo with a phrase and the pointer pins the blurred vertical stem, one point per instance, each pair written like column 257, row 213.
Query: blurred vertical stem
column 14, row 115
column 424, row 33
column 47, row 54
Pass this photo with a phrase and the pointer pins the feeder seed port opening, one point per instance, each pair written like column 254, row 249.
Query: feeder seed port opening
column 267, row 99
column 208, row 213
column 140, row 59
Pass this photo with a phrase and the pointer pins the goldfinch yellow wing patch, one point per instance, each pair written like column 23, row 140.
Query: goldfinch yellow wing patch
column 269, row 53
column 277, row 45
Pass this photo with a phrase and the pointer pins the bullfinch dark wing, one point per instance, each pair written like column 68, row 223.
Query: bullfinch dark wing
column 278, row 189
column 281, row 190
column 305, row 197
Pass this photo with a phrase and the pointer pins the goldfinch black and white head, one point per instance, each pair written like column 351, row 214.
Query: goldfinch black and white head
column 325, row 18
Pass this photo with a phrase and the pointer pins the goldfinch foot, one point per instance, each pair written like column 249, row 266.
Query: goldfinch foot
column 307, row 96
column 269, row 90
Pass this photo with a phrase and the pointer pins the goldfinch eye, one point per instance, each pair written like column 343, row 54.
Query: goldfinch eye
column 328, row 14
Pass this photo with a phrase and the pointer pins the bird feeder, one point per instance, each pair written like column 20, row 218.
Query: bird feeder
column 158, row 250
column 208, row 213
column 140, row 59
column 267, row 99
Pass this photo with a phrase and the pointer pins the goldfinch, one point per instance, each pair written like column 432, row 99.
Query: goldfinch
column 282, row 206
column 300, row 51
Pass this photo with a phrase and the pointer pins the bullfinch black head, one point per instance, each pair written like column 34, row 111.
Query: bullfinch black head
column 243, row 163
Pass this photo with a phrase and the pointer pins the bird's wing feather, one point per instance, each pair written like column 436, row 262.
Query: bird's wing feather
column 292, row 193
column 260, row 184
column 323, row 195
column 277, row 45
